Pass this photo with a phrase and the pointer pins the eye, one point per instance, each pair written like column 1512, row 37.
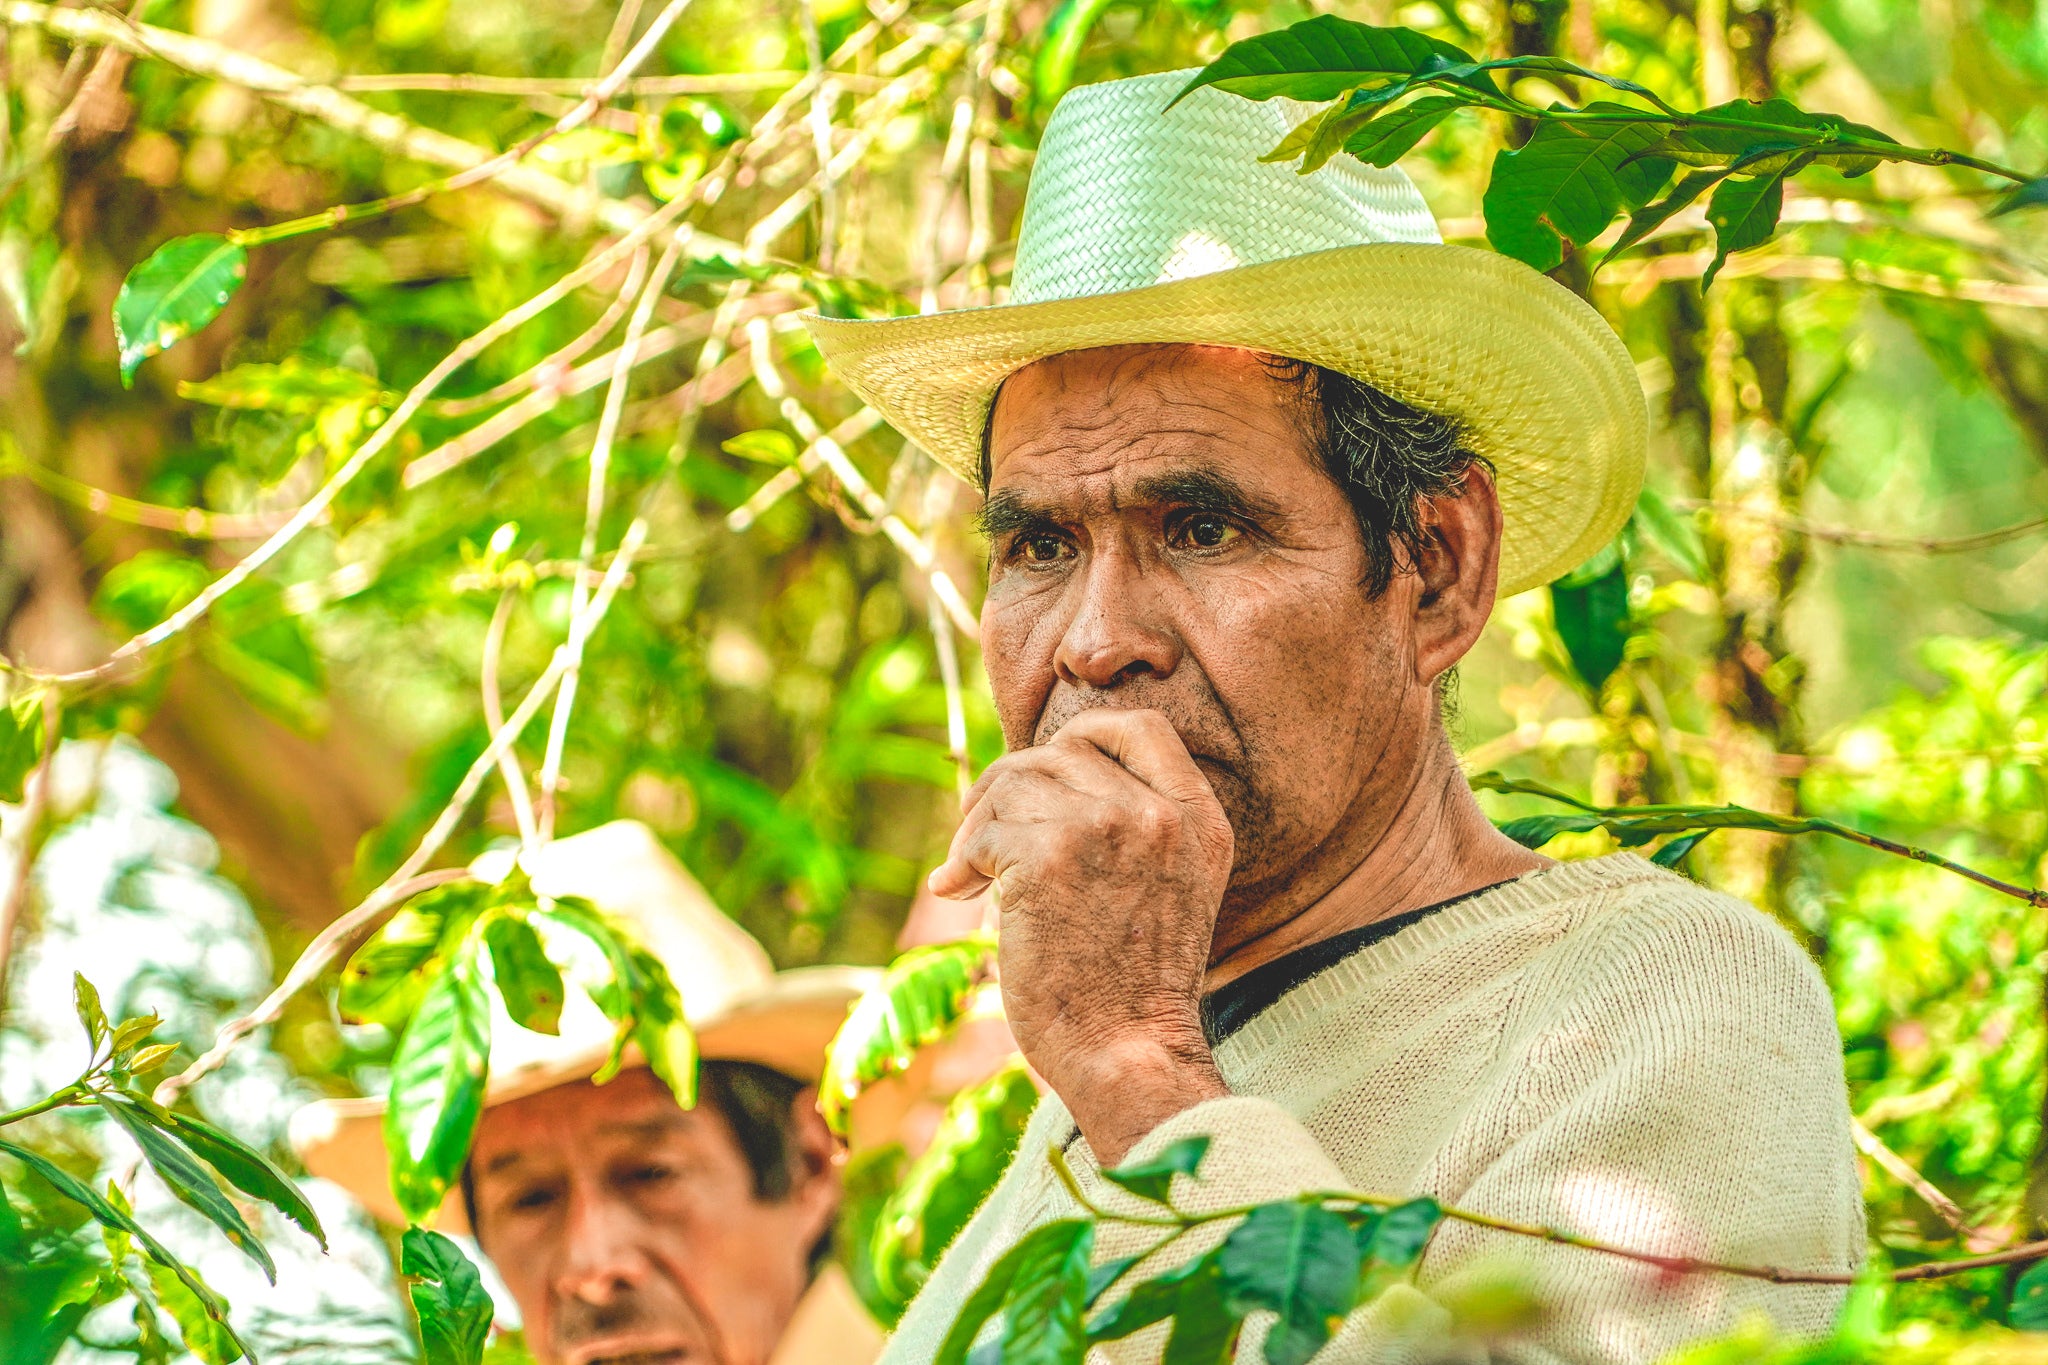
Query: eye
column 1204, row 531
column 532, row 1198
column 1040, row 547
column 654, row 1173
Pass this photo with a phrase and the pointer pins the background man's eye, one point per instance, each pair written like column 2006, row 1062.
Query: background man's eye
column 1041, row 549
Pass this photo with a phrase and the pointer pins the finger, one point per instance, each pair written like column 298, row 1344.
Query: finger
column 977, row 860
column 1145, row 744
column 1020, row 794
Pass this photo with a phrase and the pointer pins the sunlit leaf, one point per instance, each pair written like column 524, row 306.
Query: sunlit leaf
column 2031, row 195
column 248, row 1170
column 1321, row 58
column 1042, row 1315
column 1065, row 33
column 130, row 1032
column 293, row 385
column 1299, row 1261
column 21, row 743
column 529, row 984
column 181, row 287
column 437, row 1088
column 187, row 1178
column 1394, row 134
column 2029, row 1308
column 1153, row 1179
column 449, row 1296
column 1744, row 214
column 384, row 980
column 204, row 1336
column 764, row 446
column 921, row 996
column 85, row 998
column 1592, row 617
column 1672, row 533
column 1561, row 188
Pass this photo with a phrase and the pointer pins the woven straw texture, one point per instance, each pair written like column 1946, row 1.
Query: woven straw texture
column 1143, row 227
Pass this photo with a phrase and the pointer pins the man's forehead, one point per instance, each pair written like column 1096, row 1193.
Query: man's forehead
column 579, row 1121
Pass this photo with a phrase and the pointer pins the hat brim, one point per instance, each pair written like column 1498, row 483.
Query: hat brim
column 786, row 1026
column 1539, row 382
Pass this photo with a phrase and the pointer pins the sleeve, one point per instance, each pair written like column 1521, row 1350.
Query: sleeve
column 1678, row 1090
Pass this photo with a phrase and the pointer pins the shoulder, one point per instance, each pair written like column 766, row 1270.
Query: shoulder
column 1650, row 940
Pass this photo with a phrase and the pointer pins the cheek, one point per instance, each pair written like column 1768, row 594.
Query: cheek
column 1296, row 654
column 1020, row 635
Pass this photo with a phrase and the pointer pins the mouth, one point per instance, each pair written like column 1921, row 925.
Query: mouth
column 622, row 1352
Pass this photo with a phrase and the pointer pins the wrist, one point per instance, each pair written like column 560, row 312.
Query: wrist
column 1122, row 1089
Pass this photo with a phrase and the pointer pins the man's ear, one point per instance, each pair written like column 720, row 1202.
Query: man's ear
column 814, row 1174
column 1459, row 572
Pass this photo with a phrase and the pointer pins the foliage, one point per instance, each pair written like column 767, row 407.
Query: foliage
column 923, row 994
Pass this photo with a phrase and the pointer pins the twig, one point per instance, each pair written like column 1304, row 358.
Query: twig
column 387, row 132
column 194, row 523
column 621, row 34
column 599, row 95
column 823, row 96
column 956, row 710
column 35, row 801
column 1874, row 540
column 1639, row 277
column 494, row 720
column 465, row 83
column 593, row 518
column 783, row 482
column 407, row 880
column 532, row 377
column 317, row 505
column 980, row 192
column 914, row 548
column 1901, row 1170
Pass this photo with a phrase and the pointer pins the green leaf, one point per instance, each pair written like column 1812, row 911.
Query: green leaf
column 1534, row 831
column 151, row 1057
column 383, row 982
column 1673, row 853
column 1674, row 534
column 1398, row 1236
column 2029, row 1308
column 920, row 998
column 1559, row 66
column 1653, row 216
column 449, row 1296
column 1772, row 128
column 130, row 1032
column 187, row 1179
column 950, row 1179
column 1321, row 58
column 248, row 1170
column 1299, row 1261
column 1153, row 1179
column 1107, row 1274
column 1049, row 1240
column 1205, row 1326
column 293, row 385
column 1065, row 34
column 208, row 1339
column 123, row 1222
column 766, row 446
column 21, row 744
column 2031, row 195
column 181, row 287
column 1563, row 186
column 1394, row 134
column 1593, row 621
column 85, row 998
column 529, row 984
column 1157, row 1299
column 1744, row 213
column 664, row 1036
column 437, row 1088
column 1042, row 1315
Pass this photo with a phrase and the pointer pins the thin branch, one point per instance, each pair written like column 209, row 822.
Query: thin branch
column 534, row 375
column 317, row 505
column 783, row 482
column 465, row 83
column 1901, row 1170
column 35, row 802
column 621, row 34
column 914, row 547
column 593, row 518
column 194, row 523
column 494, row 719
column 1874, row 540
column 980, row 190
column 408, row 879
column 956, row 710
column 1639, row 277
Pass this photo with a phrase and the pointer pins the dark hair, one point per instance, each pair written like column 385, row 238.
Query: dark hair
column 1384, row 454
column 758, row 1104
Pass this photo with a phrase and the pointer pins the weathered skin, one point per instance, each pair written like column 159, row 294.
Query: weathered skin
column 1221, row 748
column 628, row 1229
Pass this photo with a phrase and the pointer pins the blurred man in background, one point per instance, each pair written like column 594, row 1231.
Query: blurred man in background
column 629, row 1230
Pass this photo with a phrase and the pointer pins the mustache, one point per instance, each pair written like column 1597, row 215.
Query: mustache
column 1203, row 725
column 625, row 1312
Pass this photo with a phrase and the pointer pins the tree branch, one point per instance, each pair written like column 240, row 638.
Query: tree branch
column 1874, row 540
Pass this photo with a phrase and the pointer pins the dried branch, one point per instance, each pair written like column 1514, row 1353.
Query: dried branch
column 783, row 482
column 194, row 523
column 1873, row 540
column 408, row 879
column 534, row 375
column 1901, row 1170
column 593, row 518
column 494, row 720
column 849, row 477
column 1639, row 277
column 463, row 83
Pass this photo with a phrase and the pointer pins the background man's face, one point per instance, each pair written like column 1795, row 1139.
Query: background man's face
column 629, row 1230
column 1162, row 536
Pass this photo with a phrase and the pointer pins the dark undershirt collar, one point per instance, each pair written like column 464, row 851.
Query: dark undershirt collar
column 1236, row 1003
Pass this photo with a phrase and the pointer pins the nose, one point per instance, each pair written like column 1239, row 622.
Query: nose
column 602, row 1258
column 1118, row 630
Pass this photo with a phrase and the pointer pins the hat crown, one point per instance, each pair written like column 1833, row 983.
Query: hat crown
column 1126, row 193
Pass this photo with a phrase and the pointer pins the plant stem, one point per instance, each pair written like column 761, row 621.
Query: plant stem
column 61, row 1099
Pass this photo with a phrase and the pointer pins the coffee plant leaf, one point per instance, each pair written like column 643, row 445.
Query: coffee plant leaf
column 1561, row 188
column 921, row 996
column 181, row 287
column 1321, row 58
column 1153, row 1179
column 189, row 1180
column 1299, row 1261
column 437, row 1087
column 449, row 1297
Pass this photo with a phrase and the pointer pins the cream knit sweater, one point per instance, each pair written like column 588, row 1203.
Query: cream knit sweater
column 1600, row 1046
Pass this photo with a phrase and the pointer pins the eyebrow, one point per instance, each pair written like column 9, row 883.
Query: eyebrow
column 642, row 1130
column 1207, row 490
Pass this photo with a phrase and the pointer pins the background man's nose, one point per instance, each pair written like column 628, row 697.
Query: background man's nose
column 1115, row 633
column 603, row 1256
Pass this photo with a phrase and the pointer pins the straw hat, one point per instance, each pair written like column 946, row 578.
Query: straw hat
column 742, row 1009
column 1144, row 224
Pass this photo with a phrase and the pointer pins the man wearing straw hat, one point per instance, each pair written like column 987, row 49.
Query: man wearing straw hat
column 1259, row 454
column 631, row 1231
